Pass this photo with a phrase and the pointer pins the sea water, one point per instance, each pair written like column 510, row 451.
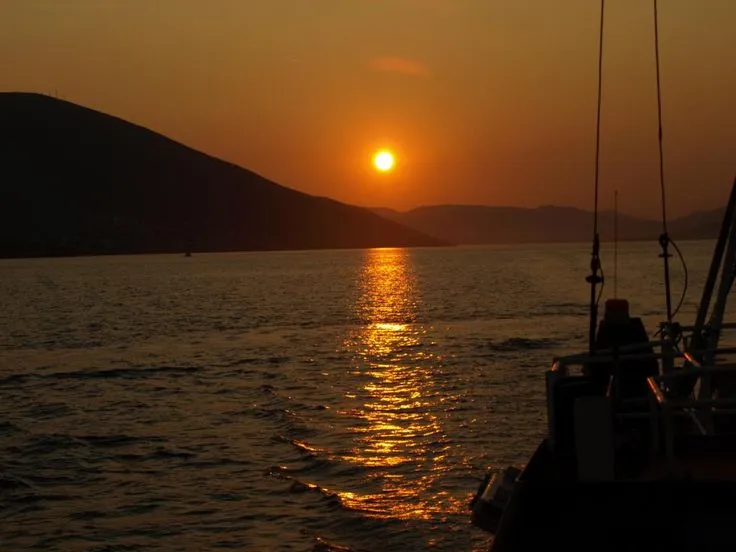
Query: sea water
column 297, row 401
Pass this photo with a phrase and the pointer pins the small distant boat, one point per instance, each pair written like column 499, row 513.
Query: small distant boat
column 640, row 451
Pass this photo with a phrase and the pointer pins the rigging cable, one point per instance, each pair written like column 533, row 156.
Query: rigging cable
column 595, row 263
column 685, row 284
column 615, row 244
column 677, row 335
column 664, row 239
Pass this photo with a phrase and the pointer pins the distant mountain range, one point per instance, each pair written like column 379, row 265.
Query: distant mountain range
column 74, row 181
column 473, row 224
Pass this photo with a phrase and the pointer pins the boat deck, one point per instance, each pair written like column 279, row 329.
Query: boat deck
column 698, row 457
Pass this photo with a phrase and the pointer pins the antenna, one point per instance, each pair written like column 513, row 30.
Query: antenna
column 615, row 244
column 595, row 262
column 664, row 239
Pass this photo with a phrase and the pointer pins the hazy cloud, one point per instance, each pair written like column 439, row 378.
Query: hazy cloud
column 405, row 66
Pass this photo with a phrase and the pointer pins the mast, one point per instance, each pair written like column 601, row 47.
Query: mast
column 595, row 262
column 664, row 238
column 715, row 266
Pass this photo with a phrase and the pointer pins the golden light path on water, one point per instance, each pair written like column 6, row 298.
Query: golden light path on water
column 397, row 430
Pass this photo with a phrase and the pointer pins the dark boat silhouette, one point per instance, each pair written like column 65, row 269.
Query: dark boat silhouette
column 640, row 452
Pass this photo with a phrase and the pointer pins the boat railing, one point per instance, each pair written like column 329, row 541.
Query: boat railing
column 640, row 351
column 665, row 407
column 666, row 401
column 723, row 326
column 637, row 350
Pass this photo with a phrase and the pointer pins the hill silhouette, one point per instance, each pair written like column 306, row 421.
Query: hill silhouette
column 76, row 181
column 477, row 224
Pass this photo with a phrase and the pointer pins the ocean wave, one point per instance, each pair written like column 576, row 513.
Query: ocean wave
column 110, row 373
column 516, row 344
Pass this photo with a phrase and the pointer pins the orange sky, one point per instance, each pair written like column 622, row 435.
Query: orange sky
column 484, row 101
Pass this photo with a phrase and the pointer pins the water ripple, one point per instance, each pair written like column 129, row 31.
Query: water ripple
column 345, row 401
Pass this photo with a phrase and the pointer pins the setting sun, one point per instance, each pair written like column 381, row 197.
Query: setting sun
column 384, row 160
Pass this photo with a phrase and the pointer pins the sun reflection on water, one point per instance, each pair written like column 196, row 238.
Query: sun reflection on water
column 397, row 433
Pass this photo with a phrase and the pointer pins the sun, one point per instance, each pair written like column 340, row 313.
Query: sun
column 384, row 160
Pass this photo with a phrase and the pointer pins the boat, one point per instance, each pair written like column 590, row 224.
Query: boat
column 640, row 449
column 640, row 452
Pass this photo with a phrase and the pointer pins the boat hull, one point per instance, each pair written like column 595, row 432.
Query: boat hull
column 656, row 514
